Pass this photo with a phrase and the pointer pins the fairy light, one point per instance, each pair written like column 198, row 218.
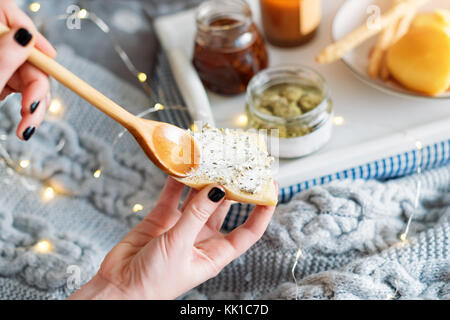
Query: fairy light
column 297, row 259
column 35, row 7
column 142, row 77
column 403, row 237
column 419, row 145
column 48, row 194
column 43, row 246
column 97, row 173
column 24, row 163
column 241, row 120
column 158, row 107
column 83, row 14
column 55, row 106
column 138, row 207
column 338, row 121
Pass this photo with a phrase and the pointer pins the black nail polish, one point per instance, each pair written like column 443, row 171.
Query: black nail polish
column 34, row 106
column 28, row 133
column 216, row 194
column 23, row 37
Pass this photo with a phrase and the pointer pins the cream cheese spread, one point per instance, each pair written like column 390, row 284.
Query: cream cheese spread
column 233, row 158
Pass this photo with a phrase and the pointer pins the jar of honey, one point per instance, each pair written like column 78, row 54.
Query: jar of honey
column 290, row 23
column 229, row 49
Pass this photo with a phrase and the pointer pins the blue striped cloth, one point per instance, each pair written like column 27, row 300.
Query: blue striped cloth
column 429, row 156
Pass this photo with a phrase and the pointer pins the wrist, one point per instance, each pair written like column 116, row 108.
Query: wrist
column 98, row 289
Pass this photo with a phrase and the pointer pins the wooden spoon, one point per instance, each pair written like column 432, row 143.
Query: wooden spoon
column 170, row 148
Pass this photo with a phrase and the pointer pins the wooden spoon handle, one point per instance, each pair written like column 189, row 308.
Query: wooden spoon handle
column 84, row 90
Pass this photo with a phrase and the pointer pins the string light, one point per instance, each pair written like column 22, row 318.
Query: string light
column 297, row 259
column 338, row 121
column 403, row 237
column 35, row 7
column 419, row 145
column 43, row 246
column 48, row 194
column 158, row 107
column 97, row 173
column 241, row 120
column 138, row 207
column 83, row 14
column 24, row 163
column 55, row 106
column 142, row 77
column 393, row 296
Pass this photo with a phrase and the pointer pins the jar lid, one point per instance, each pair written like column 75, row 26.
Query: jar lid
column 212, row 10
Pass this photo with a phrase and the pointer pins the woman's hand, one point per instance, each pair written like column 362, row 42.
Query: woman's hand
column 173, row 250
column 16, row 75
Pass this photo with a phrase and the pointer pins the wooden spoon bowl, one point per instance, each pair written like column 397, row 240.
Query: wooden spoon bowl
column 170, row 148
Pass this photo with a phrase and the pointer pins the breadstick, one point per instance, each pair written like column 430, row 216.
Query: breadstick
column 402, row 28
column 336, row 50
column 384, row 72
column 404, row 24
column 383, row 43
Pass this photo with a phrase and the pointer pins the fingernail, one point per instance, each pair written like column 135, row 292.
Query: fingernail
column 28, row 133
column 23, row 37
column 34, row 106
column 216, row 194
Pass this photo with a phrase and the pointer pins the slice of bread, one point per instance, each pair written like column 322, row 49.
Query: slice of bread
column 267, row 196
column 264, row 194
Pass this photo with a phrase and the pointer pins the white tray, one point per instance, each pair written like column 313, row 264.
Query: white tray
column 377, row 125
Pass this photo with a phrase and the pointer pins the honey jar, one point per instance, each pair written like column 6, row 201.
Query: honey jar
column 290, row 23
column 229, row 49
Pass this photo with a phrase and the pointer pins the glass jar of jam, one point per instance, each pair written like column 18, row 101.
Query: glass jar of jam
column 290, row 23
column 229, row 49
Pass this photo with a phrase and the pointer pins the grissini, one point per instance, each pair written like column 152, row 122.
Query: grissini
column 336, row 50
column 384, row 41
column 401, row 29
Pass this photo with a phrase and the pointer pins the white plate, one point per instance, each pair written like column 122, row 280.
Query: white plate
column 352, row 14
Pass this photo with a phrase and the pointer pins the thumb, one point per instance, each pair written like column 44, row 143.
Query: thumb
column 15, row 46
column 196, row 214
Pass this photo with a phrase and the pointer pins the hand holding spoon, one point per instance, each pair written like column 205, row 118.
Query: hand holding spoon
column 171, row 148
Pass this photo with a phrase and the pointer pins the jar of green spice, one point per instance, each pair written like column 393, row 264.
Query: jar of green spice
column 292, row 102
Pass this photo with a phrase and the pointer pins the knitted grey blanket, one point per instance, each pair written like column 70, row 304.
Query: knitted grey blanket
column 348, row 231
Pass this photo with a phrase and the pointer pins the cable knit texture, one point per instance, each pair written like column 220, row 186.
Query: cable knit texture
column 349, row 235
column 348, row 231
